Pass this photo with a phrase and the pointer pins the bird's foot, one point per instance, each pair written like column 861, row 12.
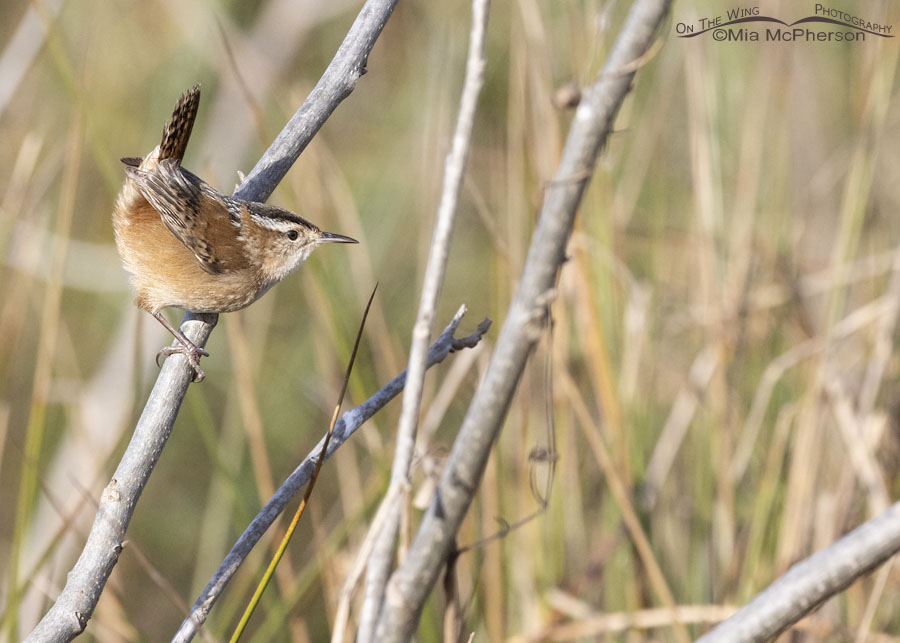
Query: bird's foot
column 191, row 351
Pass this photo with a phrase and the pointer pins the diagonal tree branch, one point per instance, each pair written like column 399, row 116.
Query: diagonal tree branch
column 345, row 427
column 339, row 79
column 69, row 615
column 412, row 582
column 73, row 608
column 811, row 582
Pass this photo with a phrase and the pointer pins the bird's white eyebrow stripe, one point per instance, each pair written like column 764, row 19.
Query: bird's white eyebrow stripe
column 271, row 223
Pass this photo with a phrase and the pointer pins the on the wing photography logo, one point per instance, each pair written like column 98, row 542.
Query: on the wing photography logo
column 746, row 24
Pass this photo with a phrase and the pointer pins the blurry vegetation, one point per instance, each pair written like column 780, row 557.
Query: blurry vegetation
column 745, row 210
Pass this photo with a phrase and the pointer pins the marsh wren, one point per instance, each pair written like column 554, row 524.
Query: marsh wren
column 187, row 245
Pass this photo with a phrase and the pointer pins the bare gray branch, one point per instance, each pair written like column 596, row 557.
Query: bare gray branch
column 809, row 583
column 411, row 583
column 70, row 613
column 345, row 427
column 454, row 170
column 339, row 79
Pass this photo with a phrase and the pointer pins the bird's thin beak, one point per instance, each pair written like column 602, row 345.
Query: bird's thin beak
column 336, row 238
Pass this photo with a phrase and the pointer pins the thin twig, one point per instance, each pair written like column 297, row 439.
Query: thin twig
column 345, row 427
column 454, row 170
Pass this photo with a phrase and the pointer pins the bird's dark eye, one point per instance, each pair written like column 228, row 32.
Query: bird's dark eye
column 292, row 235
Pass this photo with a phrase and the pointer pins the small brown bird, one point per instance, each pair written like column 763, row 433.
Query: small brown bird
column 188, row 246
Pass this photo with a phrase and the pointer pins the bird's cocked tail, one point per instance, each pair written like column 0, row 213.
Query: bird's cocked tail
column 177, row 131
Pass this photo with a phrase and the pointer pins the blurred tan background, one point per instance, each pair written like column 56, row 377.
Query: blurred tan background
column 725, row 326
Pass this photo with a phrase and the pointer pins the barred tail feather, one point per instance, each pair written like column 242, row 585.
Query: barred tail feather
column 178, row 130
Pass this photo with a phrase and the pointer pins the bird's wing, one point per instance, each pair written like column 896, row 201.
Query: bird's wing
column 207, row 222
